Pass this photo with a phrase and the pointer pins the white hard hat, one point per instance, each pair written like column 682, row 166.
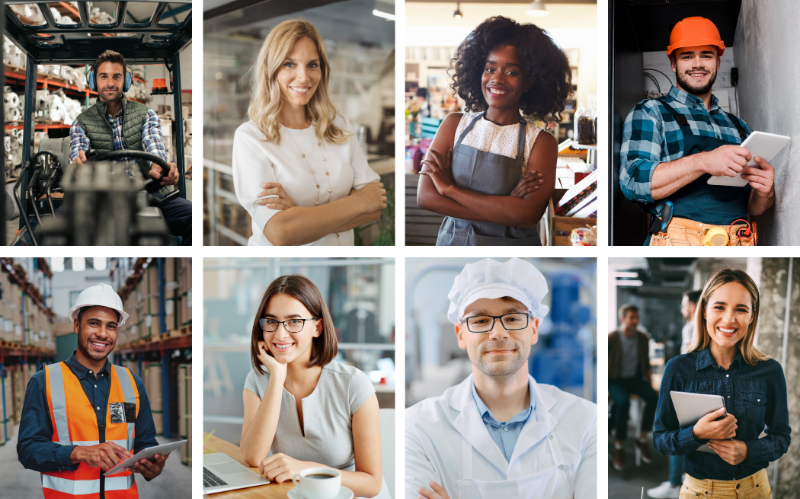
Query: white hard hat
column 99, row 295
column 492, row 279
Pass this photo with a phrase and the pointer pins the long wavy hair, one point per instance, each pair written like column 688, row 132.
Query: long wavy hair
column 266, row 102
column 701, row 339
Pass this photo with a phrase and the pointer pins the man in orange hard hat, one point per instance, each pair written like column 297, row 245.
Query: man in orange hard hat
column 107, row 418
column 672, row 146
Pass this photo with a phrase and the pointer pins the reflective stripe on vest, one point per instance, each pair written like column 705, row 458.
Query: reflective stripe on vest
column 83, row 487
column 74, row 422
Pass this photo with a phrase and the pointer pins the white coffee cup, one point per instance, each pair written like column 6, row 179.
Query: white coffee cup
column 316, row 486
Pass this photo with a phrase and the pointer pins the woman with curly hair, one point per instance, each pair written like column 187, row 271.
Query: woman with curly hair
column 486, row 170
column 297, row 166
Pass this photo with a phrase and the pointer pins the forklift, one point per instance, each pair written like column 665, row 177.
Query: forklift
column 103, row 204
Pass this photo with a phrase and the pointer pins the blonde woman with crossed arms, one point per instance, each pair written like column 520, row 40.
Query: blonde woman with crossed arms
column 297, row 166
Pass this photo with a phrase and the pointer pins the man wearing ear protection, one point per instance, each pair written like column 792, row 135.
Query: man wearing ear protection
column 115, row 123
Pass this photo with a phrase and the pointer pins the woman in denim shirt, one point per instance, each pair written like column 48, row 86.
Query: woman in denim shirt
column 723, row 361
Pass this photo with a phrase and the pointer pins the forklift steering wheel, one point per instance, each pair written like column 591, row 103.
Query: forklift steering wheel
column 152, row 185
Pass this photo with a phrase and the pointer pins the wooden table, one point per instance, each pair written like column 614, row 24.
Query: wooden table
column 269, row 491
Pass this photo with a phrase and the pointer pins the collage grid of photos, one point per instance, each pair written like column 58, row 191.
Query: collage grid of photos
column 598, row 126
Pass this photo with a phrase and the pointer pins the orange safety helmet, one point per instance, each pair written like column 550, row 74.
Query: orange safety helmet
column 694, row 32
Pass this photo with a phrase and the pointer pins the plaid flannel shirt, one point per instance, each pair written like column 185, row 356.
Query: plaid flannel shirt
column 152, row 140
column 649, row 127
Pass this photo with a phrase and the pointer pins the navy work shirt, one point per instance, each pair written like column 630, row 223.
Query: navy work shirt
column 35, row 448
column 755, row 395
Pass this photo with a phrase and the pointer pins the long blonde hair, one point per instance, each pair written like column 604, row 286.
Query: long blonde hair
column 266, row 103
column 701, row 339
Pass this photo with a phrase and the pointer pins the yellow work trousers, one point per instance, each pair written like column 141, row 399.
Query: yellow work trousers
column 756, row 486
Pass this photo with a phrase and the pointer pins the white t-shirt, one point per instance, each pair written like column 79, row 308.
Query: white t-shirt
column 496, row 139
column 312, row 173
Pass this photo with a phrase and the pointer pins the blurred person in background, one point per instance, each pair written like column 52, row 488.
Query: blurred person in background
column 490, row 171
column 499, row 433
column 629, row 374
column 298, row 168
column 303, row 409
column 723, row 360
column 671, row 489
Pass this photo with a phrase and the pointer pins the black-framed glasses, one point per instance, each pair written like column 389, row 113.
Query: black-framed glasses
column 291, row 325
column 485, row 323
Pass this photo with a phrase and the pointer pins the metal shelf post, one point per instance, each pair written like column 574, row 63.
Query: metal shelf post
column 166, row 394
column 3, row 390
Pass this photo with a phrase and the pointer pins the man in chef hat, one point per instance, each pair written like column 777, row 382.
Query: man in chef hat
column 500, row 434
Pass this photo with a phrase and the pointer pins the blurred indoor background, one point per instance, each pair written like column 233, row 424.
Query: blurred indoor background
column 655, row 285
column 564, row 356
column 360, row 294
column 359, row 42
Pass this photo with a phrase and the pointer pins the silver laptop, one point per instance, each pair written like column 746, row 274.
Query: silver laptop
column 221, row 472
column 690, row 407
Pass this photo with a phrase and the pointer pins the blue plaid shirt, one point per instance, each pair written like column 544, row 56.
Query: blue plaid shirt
column 755, row 395
column 152, row 140
column 651, row 136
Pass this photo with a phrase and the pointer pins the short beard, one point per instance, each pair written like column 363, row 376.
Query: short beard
column 84, row 349
column 684, row 84
column 501, row 372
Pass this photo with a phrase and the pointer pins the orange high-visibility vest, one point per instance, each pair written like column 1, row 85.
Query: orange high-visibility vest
column 74, row 422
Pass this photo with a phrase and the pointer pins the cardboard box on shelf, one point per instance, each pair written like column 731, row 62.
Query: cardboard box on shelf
column 186, row 96
column 185, row 411
column 152, row 383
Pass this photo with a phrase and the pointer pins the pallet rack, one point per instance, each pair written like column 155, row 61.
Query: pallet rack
column 166, row 345
column 22, row 351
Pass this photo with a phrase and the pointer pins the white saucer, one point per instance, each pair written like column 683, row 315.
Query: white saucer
column 344, row 493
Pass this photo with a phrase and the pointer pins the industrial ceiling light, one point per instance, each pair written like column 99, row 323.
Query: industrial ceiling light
column 457, row 14
column 537, row 9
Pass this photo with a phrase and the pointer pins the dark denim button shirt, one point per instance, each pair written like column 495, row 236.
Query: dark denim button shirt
column 755, row 395
column 35, row 449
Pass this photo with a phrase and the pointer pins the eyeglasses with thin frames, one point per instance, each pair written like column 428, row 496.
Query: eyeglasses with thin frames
column 291, row 325
column 485, row 323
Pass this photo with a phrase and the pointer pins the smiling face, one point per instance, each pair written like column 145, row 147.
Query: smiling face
column 300, row 73
column 497, row 353
column 728, row 314
column 503, row 80
column 288, row 347
column 110, row 81
column 695, row 68
column 97, row 332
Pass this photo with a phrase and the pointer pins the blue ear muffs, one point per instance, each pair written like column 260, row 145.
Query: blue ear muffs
column 93, row 84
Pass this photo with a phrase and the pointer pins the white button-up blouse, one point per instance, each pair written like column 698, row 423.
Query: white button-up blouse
column 312, row 173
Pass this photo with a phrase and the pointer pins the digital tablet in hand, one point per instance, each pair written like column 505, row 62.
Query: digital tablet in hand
column 761, row 144
column 691, row 407
column 147, row 453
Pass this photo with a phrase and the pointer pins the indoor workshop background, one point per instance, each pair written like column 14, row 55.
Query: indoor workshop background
column 155, row 344
column 655, row 285
column 759, row 36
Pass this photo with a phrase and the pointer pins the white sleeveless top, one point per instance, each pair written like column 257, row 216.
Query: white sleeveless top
column 496, row 139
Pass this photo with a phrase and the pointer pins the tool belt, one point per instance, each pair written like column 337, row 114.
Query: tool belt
column 685, row 232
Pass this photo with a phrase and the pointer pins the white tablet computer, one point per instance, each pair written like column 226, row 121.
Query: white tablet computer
column 147, row 453
column 690, row 407
column 762, row 144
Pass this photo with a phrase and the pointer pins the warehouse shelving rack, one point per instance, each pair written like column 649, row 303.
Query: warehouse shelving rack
column 24, row 352
column 153, row 41
column 166, row 345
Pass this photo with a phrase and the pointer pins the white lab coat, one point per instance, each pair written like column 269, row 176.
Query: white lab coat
column 555, row 456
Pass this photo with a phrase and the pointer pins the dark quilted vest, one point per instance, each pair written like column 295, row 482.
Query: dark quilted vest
column 94, row 123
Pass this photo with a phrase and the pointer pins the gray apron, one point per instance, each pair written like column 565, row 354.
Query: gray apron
column 492, row 174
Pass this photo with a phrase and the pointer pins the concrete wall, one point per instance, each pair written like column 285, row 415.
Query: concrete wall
column 766, row 55
column 773, row 286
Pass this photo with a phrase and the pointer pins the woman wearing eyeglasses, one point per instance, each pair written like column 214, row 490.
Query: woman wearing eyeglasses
column 308, row 409
column 723, row 360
